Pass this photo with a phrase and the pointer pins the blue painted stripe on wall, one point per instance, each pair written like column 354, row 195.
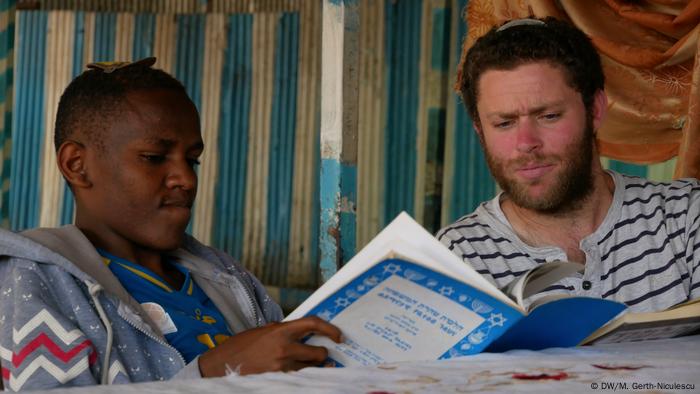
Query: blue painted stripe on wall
column 282, row 135
column 68, row 206
column 144, row 35
column 338, row 182
column 629, row 169
column 472, row 182
column 188, row 60
column 403, row 31
column 343, row 2
column 6, row 147
column 78, row 48
column 28, row 124
column 233, row 136
column 79, row 44
column 6, row 5
column 7, row 39
column 6, row 81
column 190, row 54
column 348, row 222
column 328, row 238
column 105, row 37
column 440, row 48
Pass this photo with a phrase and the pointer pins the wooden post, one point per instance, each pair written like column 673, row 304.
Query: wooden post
column 339, row 119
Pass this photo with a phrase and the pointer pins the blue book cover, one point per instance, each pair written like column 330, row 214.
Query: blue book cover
column 564, row 322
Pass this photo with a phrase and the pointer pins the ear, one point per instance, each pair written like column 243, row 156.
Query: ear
column 71, row 157
column 478, row 131
column 600, row 108
column 476, row 127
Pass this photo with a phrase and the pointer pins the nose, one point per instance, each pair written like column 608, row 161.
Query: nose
column 528, row 137
column 181, row 175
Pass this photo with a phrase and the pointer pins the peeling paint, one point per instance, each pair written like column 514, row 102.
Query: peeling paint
column 346, row 205
column 338, row 218
column 329, row 234
column 346, row 210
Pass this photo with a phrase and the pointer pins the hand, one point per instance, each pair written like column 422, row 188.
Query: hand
column 274, row 347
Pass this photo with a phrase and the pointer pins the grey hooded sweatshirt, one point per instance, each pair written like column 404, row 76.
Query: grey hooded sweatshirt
column 65, row 320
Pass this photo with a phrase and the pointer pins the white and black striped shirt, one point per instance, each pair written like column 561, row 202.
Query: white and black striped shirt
column 645, row 253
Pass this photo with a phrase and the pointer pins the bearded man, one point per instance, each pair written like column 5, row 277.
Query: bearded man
column 535, row 91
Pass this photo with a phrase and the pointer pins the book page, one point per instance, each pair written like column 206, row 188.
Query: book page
column 405, row 237
column 539, row 278
column 400, row 311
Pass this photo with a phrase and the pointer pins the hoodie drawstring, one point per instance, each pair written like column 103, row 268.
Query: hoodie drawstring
column 95, row 288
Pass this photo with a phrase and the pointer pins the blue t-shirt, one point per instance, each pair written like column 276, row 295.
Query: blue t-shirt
column 190, row 321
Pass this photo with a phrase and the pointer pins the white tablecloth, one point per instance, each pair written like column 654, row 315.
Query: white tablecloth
column 671, row 365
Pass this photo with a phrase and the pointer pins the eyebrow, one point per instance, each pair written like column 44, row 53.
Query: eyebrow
column 167, row 143
column 533, row 111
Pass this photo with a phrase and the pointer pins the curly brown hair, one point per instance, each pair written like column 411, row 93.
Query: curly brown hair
column 531, row 40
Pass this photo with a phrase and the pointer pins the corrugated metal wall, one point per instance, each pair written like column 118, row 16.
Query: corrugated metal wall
column 166, row 6
column 253, row 70
column 7, row 38
column 407, row 48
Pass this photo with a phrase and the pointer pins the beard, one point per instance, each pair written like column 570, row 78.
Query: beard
column 571, row 188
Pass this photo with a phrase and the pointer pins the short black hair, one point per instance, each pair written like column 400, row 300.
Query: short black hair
column 96, row 97
column 519, row 42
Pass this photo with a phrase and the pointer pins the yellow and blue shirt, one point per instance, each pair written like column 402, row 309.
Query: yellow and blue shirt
column 190, row 321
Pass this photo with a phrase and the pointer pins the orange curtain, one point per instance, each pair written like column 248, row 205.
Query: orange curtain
column 650, row 52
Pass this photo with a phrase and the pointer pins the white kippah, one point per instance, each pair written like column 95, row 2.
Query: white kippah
column 521, row 22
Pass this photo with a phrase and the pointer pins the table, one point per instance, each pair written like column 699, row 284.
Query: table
column 670, row 365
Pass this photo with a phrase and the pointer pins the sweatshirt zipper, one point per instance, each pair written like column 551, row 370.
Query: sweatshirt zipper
column 251, row 303
column 139, row 328
column 236, row 278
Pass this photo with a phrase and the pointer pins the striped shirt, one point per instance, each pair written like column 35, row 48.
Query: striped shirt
column 645, row 253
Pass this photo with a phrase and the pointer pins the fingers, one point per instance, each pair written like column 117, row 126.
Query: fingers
column 297, row 365
column 307, row 353
column 301, row 356
column 313, row 325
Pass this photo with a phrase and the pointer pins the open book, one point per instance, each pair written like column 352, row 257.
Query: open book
column 407, row 297
column 683, row 319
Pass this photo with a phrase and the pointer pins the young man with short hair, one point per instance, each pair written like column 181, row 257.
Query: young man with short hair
column 124, row 295
column 534, row 89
